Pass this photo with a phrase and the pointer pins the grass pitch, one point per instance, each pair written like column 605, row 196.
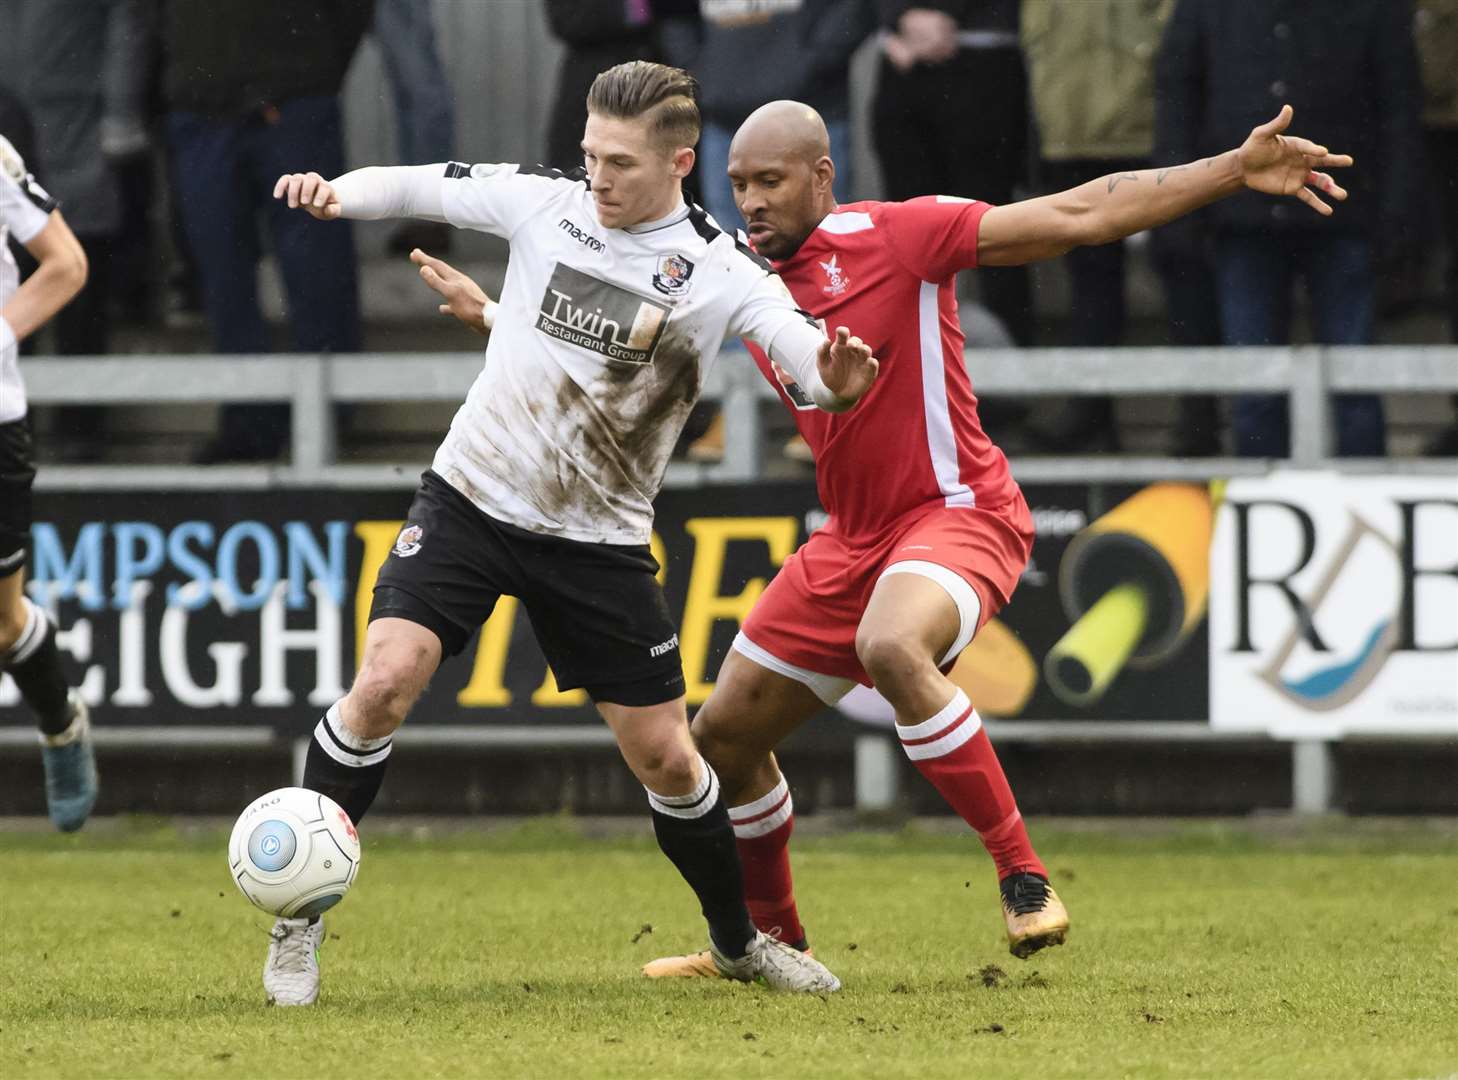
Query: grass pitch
column 1197, row 950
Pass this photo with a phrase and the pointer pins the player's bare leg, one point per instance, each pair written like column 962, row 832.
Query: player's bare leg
column 909, row 626
column 751, row 710
column 346, row 761
column 28, row 653
column 691, row 822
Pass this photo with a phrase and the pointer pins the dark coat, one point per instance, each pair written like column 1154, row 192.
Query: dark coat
column 1348, row 69
column 234, row 59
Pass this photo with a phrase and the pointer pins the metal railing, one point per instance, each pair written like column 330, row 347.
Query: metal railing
column 312, row 384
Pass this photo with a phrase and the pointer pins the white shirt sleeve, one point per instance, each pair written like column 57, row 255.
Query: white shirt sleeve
column 790, row 337
column 378, row 192
column 25, row 206
column 498, row 198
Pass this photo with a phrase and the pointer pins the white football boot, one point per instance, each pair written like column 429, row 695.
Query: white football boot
column 291, row 973
column 778, row 965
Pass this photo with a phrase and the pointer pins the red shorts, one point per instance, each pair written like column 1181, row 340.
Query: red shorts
column 804, row 625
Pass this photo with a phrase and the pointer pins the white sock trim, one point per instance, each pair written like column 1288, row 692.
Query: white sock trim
column 759, row 806
column 344, row 746
column 695, row 804
column 969, row 604
column 31, row 637
column 74, row 731
column 958, row 734
column 945, row 715
column 765, row 814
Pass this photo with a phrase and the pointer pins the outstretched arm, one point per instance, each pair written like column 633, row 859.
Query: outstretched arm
column 1113, row 207
column 367, row 194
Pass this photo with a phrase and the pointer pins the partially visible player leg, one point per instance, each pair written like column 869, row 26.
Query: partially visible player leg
column 28, row 651
column 919, row 617
column 351, row 745
column 691, row 822
column 346, row 761
column 752, row 709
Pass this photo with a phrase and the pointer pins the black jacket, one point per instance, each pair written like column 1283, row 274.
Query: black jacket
column 803, row 55
column 970, row 14
column 233, row 59
column 1348, row 69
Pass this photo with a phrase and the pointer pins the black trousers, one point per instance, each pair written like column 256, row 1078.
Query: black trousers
column 961, row 128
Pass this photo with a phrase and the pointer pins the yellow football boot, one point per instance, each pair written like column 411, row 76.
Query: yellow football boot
column 1036, row 918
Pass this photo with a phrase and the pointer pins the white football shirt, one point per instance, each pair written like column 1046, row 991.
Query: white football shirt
column 24, row 210
column 599, row 350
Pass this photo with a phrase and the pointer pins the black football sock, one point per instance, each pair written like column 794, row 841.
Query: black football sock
column 345, row 767
column 694, row 832
column 34, row 663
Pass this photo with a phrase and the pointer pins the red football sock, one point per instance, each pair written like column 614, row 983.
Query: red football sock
column 762, row 832
column 953, row 752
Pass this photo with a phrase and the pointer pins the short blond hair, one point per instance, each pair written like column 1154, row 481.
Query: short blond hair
column 668, row 95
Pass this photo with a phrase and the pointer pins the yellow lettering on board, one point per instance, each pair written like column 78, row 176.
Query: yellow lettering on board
column 487, row 688
column 379, row 538
column 705, row 605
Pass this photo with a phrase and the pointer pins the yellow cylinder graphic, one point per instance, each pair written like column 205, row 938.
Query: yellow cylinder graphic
column 1157, row 544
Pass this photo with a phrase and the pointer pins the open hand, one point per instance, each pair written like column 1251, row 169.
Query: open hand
column 846, row 365
column 1279, row 164
column 463, row 298
column 311, row 192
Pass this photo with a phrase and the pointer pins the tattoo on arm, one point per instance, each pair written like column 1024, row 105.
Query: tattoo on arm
column 1114, row 180
column 1165, row 172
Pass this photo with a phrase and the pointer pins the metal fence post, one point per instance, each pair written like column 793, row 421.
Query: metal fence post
column 1311, row 776
column 1310, row 407
column 311, row 418
column 876, row 774
column 742, row 435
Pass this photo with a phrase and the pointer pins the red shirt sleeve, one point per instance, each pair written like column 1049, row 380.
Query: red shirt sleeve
column 933, row 236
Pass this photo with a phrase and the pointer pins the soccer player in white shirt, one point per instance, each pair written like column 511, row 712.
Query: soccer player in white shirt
column 618, row 295
column 28, row 652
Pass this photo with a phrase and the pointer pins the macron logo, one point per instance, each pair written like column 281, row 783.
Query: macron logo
column 582, row 236
column 664, row 646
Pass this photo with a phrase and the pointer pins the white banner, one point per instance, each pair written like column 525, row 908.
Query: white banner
column 1334, row 606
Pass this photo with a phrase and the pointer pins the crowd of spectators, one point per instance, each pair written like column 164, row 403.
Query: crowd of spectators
column 113, row 100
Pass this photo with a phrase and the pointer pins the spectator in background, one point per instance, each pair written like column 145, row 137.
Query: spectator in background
column 1437, row 45
column 597, row 35
column 425, row 111
column 1091, row 70
column 1350, row 72
column 252, row 92
column 951, row 117
column 799, row 50
column 64, row 45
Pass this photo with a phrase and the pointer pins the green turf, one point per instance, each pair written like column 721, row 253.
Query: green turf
column 1197, row 951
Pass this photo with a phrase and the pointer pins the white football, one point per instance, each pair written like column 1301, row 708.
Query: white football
column 294, row 852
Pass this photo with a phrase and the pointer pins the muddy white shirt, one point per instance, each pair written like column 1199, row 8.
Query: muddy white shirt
column 24, row 210
column 600, row 347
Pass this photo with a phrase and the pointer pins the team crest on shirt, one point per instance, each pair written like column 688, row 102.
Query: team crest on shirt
column 408, row 542
column 835, row 280
column 672, row 277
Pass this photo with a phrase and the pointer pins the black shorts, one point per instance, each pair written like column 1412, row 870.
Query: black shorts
column 598, row 611
column 17, row 472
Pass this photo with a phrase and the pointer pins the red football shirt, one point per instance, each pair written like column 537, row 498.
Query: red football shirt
column 887, row 271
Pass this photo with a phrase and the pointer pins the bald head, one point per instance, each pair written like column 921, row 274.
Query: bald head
column 782, row 176
column 786, row 128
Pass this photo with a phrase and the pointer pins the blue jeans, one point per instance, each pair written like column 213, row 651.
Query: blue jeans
column 714, row 163
column 424, row 109
column 223, row 176
column 1254, row 273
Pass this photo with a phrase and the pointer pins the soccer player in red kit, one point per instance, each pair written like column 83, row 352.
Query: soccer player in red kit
column 928, row 532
